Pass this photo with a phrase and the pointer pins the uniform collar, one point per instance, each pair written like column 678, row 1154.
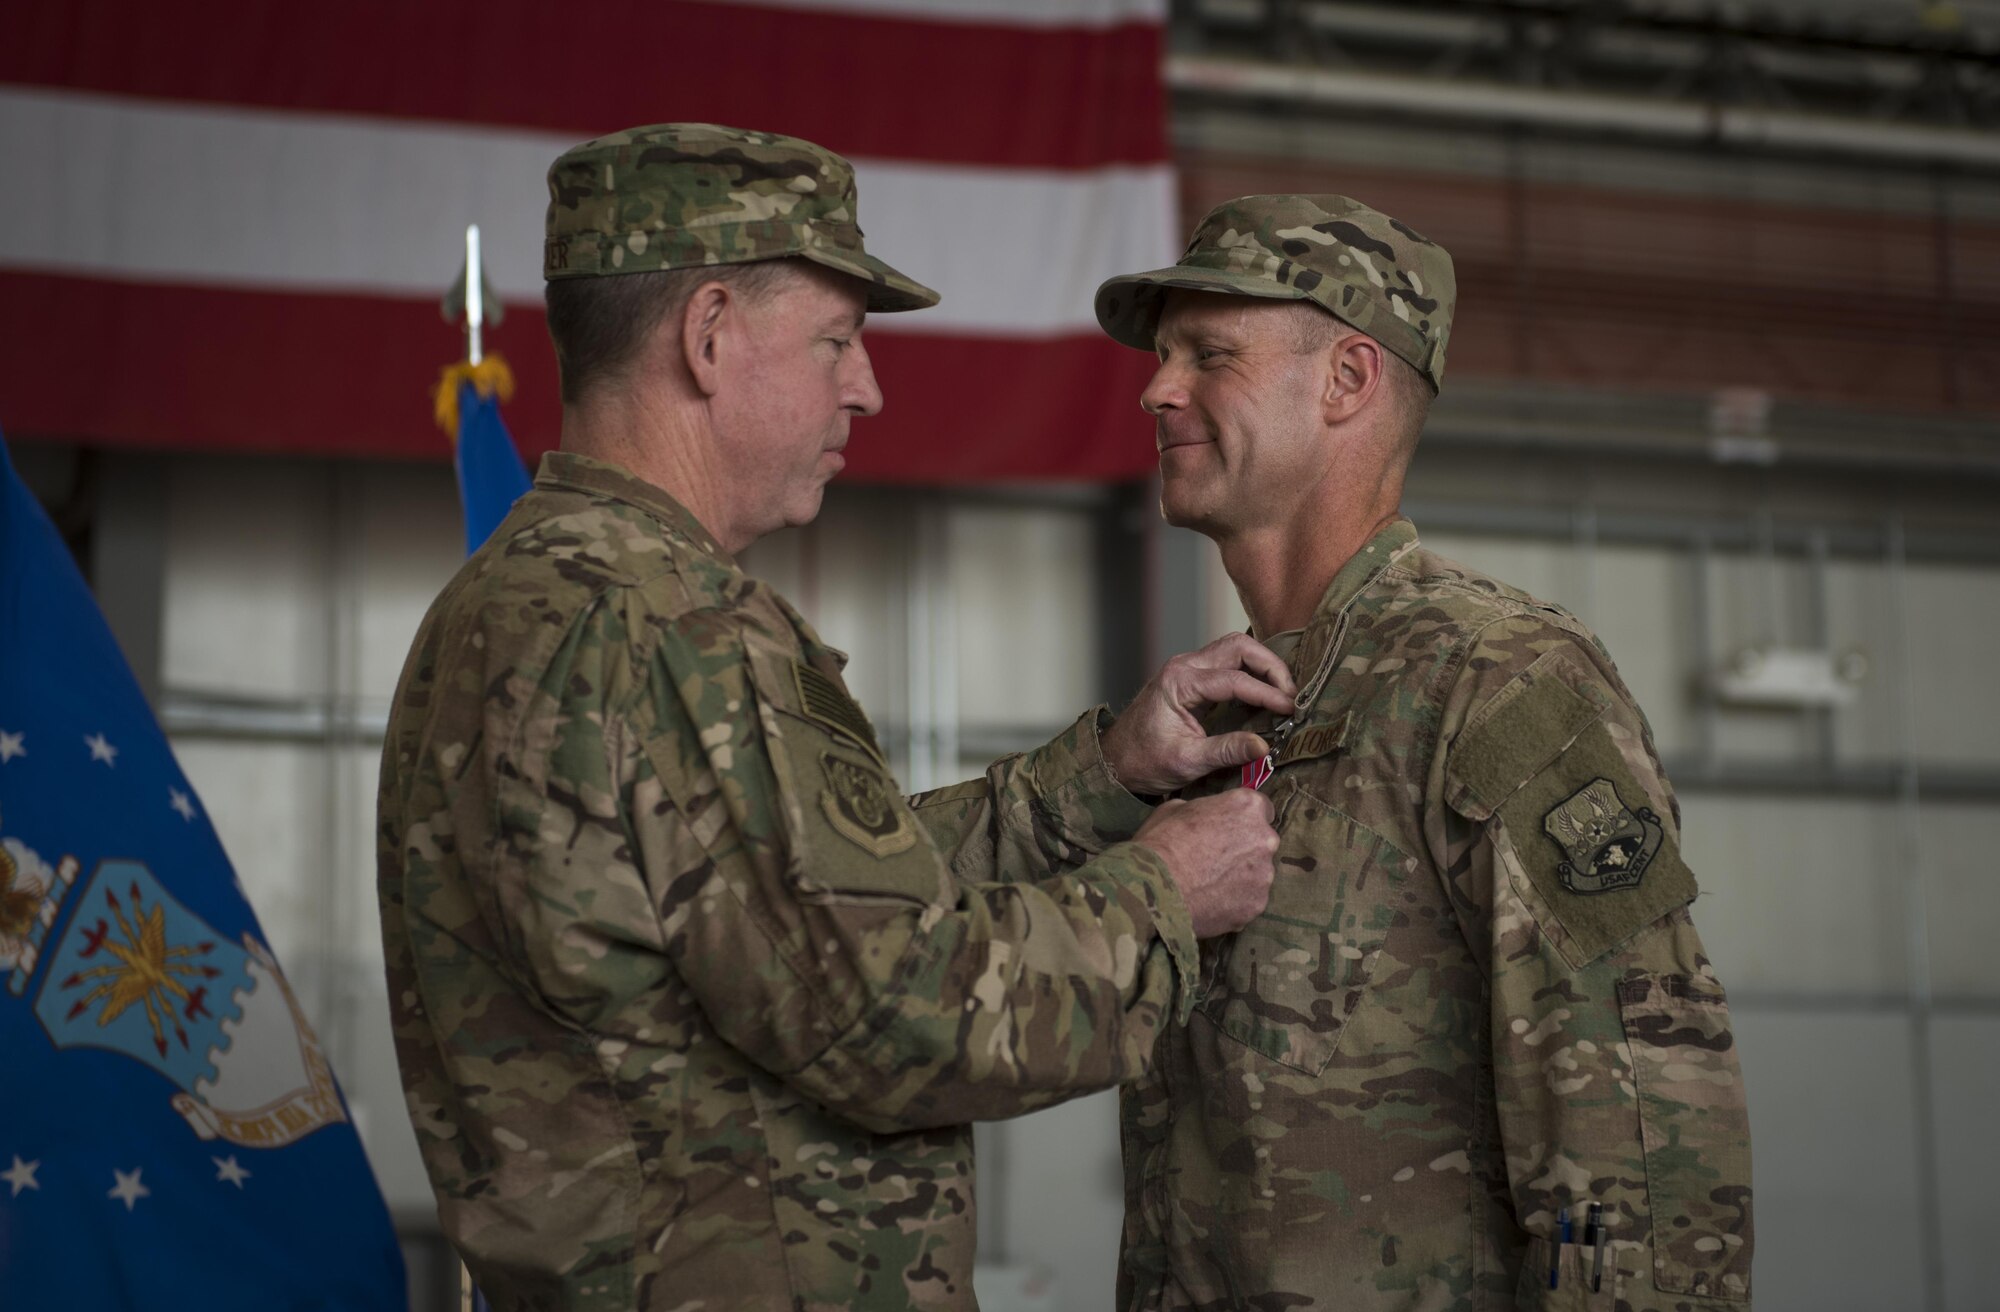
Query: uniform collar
column 1310, row 652
column 1390, row 542
column 568, row 471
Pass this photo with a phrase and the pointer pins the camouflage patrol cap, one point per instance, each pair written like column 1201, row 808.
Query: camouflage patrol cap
column 683, row 195
column 1361, row 266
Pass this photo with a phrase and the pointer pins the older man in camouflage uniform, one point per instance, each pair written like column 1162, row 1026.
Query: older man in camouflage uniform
column 1475, row 998
column 692, row 1008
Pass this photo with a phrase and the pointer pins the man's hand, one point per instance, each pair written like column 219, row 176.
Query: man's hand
column 1157, row 745
column 1221, row 851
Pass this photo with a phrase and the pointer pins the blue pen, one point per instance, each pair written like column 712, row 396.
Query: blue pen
column 1593, row 1237
column 1563, row 1237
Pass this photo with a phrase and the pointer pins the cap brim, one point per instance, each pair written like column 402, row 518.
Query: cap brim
column 1128, row 306
column 888, row 290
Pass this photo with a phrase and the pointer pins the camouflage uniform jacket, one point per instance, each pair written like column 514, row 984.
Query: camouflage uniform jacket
column 692, row 1008
column 1475, row 996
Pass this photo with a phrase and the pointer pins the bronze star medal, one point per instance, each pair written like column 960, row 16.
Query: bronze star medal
column 1609, row 845
column 1257, row 773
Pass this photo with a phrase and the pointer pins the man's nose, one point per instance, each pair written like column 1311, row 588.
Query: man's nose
column 1164, row 392
column 860, row 392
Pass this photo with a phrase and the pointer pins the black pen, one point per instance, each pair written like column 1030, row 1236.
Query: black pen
column 1562, row 1237
column 1594, row 1233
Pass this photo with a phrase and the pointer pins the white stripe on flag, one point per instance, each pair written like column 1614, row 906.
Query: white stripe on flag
column 167, row 192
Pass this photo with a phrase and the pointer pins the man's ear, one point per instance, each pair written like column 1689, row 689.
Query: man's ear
column 706, row 322
column 1357, row 368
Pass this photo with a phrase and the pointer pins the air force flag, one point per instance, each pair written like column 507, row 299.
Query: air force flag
column 171, row 1136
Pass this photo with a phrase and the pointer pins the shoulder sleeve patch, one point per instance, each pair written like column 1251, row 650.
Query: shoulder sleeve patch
column 827, row 702
column 863, row 809
column 1600, row 861
column 849, row 831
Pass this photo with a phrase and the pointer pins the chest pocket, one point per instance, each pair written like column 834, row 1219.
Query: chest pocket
column 1285, row 984
column 849, row 830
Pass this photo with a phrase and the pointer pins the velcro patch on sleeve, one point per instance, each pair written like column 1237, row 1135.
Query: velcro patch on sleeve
column 824, row 701
column 1541, row 716
column 848, row 833
column 1600, row 860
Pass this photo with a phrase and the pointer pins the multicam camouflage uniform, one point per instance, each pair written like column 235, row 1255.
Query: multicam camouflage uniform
column 1475, row 996
column 692, row 1008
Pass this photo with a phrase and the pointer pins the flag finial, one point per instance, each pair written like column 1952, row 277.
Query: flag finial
column 471, row 299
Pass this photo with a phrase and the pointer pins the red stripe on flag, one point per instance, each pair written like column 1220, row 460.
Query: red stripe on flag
column 205, row 368
column 890, row 88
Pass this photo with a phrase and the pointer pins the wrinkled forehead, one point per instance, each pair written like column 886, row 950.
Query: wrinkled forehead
column 1185, row 312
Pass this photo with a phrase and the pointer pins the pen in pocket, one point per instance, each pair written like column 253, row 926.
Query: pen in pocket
column 1593, row 1235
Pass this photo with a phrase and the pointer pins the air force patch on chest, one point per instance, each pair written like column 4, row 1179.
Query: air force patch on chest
column 859, row 806
column 1609, row 845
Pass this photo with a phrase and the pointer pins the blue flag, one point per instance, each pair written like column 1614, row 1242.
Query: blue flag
column 491, row 476
column 171, row 1136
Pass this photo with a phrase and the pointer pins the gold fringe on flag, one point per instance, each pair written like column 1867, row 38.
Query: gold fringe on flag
column 488, row 377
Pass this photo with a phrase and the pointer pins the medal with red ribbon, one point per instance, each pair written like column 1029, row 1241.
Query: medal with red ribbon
column 1257, row 773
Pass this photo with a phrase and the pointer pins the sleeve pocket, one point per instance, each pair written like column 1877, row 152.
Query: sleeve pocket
column 1695, row 1127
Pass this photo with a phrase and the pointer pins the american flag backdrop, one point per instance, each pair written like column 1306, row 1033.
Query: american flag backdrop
column 228, row 226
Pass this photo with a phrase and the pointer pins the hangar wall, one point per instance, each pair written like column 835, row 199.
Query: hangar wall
column 1845, row 856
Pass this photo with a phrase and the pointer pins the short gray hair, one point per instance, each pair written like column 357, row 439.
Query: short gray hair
column 598, row 324
column 1313, row 330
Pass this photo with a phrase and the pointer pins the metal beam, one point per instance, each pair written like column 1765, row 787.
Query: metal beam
column 1852, row 83
column 1837, row 1003
column 203, row 716
column 1638, row 528
column 1580, row 111
column 128, row 548
column 1121, row 530
column 1682, row 427
column 1876, row 780
column 1175, row 586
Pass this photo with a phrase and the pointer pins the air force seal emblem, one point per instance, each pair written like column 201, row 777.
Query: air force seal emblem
column 139, row 974
column 1609, row 845
column 858, row 806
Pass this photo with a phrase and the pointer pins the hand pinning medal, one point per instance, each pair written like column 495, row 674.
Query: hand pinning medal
column 1257, row 773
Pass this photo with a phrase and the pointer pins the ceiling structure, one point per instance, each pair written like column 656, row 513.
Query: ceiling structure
column 1910, row 82
column 1650, row 202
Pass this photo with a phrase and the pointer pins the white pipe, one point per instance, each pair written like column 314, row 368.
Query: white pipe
column 1582, row 110
column 1916, row 924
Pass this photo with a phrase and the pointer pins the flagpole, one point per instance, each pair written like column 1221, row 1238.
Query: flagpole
column 475, row 295
column 469, row 1299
